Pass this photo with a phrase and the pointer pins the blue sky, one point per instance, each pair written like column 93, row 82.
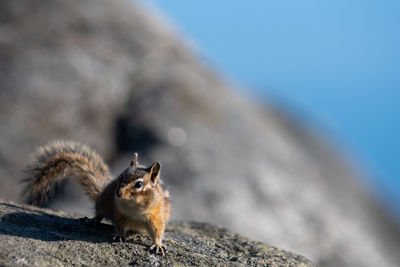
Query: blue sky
column 336, row 61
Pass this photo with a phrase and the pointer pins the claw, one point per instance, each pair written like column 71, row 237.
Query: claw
column 159, row 249
column 119, row 238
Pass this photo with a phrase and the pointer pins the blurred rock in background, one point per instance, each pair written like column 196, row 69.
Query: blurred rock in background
column 111, row 75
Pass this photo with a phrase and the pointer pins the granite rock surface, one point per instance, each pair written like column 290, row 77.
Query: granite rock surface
column 37, row 237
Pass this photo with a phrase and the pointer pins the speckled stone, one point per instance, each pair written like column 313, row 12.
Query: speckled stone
column 31, row 236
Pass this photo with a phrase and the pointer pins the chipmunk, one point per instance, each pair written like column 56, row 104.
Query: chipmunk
column 134, row 201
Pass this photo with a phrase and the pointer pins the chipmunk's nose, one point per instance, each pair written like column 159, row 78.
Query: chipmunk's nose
column 119, row 193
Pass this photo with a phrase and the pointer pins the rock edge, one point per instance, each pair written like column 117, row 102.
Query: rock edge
column 39, row 237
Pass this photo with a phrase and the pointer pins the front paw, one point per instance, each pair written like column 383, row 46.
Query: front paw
column 158, row 249
column 119, row 238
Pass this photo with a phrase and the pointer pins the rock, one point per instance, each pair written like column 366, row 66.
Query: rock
column 38, row 237
column 112, row 75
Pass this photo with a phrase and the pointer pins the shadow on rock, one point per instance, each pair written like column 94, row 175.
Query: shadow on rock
column 32, row 236
column 47, row 227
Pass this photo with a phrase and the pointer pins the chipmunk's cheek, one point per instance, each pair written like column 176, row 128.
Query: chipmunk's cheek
column 123, row 193
column 138, row 199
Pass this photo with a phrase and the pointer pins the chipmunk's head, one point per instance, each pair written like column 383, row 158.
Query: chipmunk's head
column 137, row 184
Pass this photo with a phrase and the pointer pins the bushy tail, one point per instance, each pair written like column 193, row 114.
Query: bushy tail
column 58, row 160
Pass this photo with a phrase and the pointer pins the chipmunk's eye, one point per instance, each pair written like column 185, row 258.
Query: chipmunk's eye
column 138, row 185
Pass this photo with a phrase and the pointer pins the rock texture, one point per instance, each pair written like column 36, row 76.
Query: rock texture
column 38, row 237
column 111, row 74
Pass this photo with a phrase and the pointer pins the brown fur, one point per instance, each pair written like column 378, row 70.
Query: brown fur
column 145, row 208
column 59, row 160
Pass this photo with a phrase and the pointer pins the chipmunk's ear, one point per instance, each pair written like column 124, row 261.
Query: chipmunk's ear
column 155, row 172
column 134, row 161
